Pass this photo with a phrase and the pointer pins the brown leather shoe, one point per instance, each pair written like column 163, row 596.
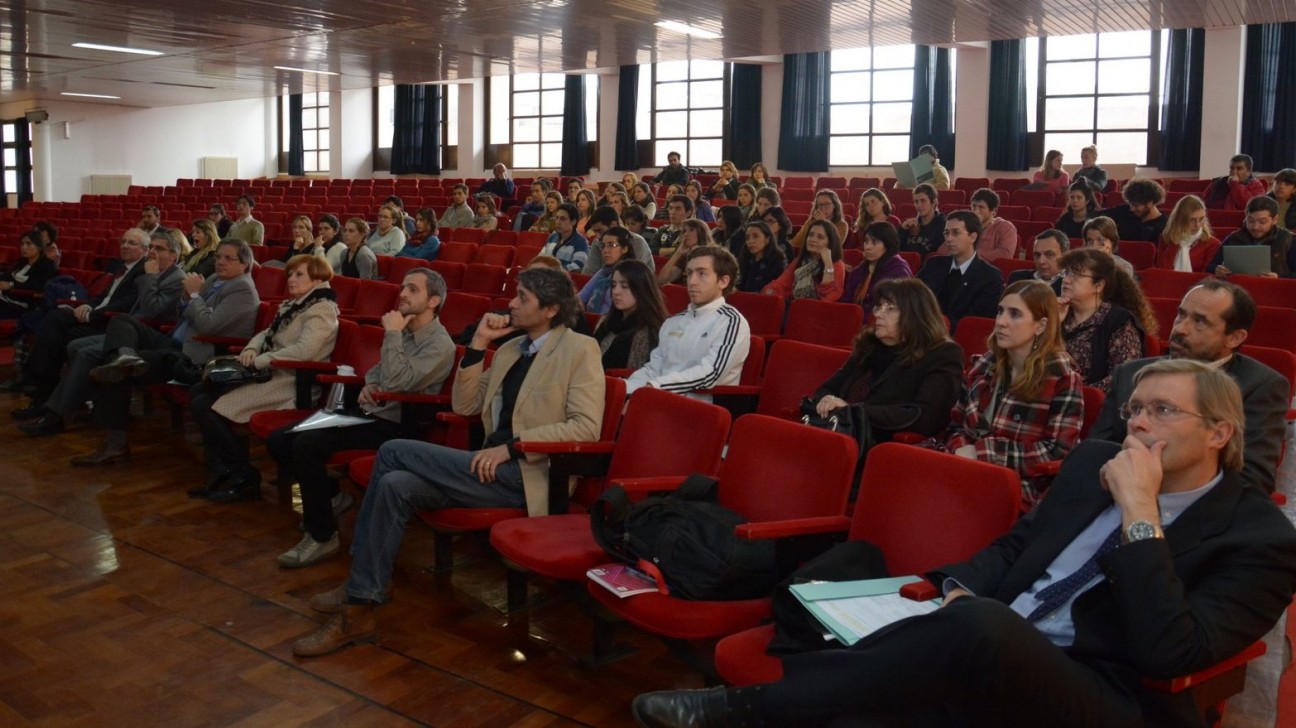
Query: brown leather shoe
column 355, row 623
column 102, row 456
column 329, row 602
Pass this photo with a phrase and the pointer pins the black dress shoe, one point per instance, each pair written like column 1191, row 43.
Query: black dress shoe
column 33, row 411
column 102, row 456
column 213, row 482
column 240, row 488
column 127, row 365
column 50, row 424
column 682, row 709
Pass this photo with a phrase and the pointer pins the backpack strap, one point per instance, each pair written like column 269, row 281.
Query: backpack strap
column 607, row 520
column 697, row 487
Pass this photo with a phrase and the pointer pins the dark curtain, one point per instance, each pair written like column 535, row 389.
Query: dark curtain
column 803, row 129
column 296, row 144
column 416, row 140
column 1181, row 108
column 1268, row 109
column 23, row 138
column 744, row 133
column 1006, row 137
column 575, row 145
column 932, row 121
column 627, row 137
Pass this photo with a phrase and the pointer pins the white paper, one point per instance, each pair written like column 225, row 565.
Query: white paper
column 323, row 419
column 864, row 615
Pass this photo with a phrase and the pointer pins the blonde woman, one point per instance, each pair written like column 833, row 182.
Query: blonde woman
column 1187, row 244
column 485, row 219
column 727, row 186
column 203, row 259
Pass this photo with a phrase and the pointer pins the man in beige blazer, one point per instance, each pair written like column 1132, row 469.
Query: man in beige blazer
column 542, row 387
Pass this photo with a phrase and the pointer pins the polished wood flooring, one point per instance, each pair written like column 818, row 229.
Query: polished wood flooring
column 127, row 603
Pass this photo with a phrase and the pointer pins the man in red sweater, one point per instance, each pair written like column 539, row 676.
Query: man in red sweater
column 1233, row 191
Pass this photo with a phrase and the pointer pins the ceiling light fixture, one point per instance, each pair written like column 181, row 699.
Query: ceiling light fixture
column 117, row 49
column 307, row 70
column 687, row 29
column 89, row 96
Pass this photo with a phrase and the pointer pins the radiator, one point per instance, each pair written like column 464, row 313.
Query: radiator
column 219, row 168
column 110, row 184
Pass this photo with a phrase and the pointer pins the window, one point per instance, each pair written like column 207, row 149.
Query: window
column 1100, row 89
column 527, row 113
column 385, row 129
column 17, row 157
column 871, row 104
column 688, row 100
column 315, row 131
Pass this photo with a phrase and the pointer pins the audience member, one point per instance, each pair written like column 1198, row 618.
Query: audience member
column 603, row 219
column 636, row 221
column 205, row 241
column 151, row 219
column 218, row 218
column 1047, row 251
column 565, row 243
column 1100, row 233
column 730, row 230
column 486, row 217
column 727, row 185
column 882, row 262
column 614, row 246
column 766, row 197
column 585, row 204
column 923, row 233
column 29, row 275
column 1283, row 192
column 406, row 222
column 303, row 239
column 1235, row 189
column 641, row 195
column 389, row 237
column 1105, row 317
column 1081, row 207
column 358, row 259
column 1050, row 175
column 817, row 270
column 998, row 236
column 459, row 214
column 940, row 176
column 674, row 173
column 574, row 187
column 1213, row 322
column 1090, row 173
column 964, row 284
column 330, row 240
column 1139, row 218
column 425, row 244
column 533, row 208
column 746, row 203
column 781, row 227
column 874, row 207
column 618, row 201
column 500, row 184
column 759, row 178
column 545, row 223
column 827, row 206
column 1261, row 228
column 1187, row 244
column 692, row 234
column 701, row 207
column 561, row 371
column 629, row 180
column 627, row 335
column 247, row 227
column 609, row 190
column 760, row 261
column 679, row 208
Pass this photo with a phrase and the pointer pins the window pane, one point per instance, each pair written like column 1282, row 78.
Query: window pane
column 704, row 153
column 1130, row 76
column 1070, row 78
column 1123, row 147
column 552, row 102
column 309, row 116
column 644, row 107
column 526, row 156
column 707, row 69
column 11, row 180
column 892, row 85
column 591, row 107
column 1123, row 112
column 665, row 147
column 706, row 94
column 10, row 158
column 672, row 96
column 310, row 139
column 499, row 110
column 847, row 87
column 706, row 123
column 848, row 151
column 1071, row 46
column 386, row 115
column 1069, row 113
column 672, row 71
column 553, row 80
column 527, row 104
column 1133, row 43
column 851, row 59
column 451, row 121
column 892, row 117
column 848, row 119
column 1069, row 144
column 551, row 155
column 893, row 57
column 551, row 129
column 10, row 131
column 526, row 129
column 526, row 81
column 888, row 149
column 672, row 123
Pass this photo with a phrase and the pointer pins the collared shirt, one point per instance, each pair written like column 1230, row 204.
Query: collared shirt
column 116, row 282
column 962, row 267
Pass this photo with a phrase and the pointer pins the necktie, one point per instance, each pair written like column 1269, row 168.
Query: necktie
column 183, row 329
column 952, row 283
column 1055, row 595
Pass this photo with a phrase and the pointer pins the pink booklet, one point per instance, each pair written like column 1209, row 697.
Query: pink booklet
column 622, row 580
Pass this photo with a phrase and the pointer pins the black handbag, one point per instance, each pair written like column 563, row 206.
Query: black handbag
column 224, row 373
column 848, row 420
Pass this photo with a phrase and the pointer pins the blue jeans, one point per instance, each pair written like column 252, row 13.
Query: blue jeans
column 410, row 475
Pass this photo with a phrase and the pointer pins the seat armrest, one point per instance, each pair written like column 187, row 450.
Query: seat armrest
column 310, row 366
column 639, row 487
column 793, row 527
column 619, row 373
column 453, row 418
column 340, row 379
column 1184, row 682
column 412, row 397
column 920, row 591
column 222, row 340
column 907, row 438
column 574, row 448
column 733, row 390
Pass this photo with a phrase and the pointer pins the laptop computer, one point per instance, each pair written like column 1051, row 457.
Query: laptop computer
column 1252, row 260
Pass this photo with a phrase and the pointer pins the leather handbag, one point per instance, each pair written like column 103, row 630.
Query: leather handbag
column 225, row 373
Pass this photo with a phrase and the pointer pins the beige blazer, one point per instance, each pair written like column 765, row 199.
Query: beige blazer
column 561, row 400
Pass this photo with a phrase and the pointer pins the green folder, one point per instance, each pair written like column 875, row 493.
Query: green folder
column 812, row 594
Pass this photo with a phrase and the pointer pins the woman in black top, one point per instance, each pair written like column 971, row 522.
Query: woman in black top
column 760, row 262
column 30, row 275
column 1081, row 206
column 728, row 232
column 628, row 334
column 781, row 227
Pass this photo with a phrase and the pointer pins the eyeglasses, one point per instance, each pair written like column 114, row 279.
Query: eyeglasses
column 612, row 244
column 1074, row 274
column 1156, row 411
column 159, row 248
column 882, row 308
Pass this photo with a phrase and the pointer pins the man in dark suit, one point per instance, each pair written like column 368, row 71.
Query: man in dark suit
column 1047, row 251
column 1147, row 560
column 964, row 284
column 1214, row 318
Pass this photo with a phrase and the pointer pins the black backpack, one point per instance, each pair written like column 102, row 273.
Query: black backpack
column 690, row 539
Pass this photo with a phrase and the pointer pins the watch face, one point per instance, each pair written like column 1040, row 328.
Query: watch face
column 1140, row 530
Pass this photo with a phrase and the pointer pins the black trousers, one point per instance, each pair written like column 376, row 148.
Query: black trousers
column 127, row 332
column 49, row 348
column 974, row 662
column 224, row 451
column 304, row 456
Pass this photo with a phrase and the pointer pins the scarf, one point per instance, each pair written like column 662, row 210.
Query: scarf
column 804, row 278
column 290, row 310
column 1183, row 261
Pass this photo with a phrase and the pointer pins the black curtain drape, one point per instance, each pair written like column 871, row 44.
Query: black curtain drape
column 22, row 137
column 1268, row 109
column 744, row 133
column 575, row 145
column 803, row 129
column 932, row 121
column 627, row 136
column 296, row 144
column 1006, row 137
column 416, row 140
column 1181, row 107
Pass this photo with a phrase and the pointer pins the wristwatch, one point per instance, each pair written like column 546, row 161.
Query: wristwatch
column 1142, row 530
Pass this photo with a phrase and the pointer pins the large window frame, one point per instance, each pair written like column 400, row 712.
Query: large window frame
column 687, row 110
column 316, row 128
column 525, row 118
column 17, row 162
column 870, row 105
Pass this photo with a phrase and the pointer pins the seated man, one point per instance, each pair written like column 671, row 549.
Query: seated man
column 674, row 173
column 964, row 284
column 547, row 387
column 1048, row 250
column 1150, row 559
column 1139, row 218
column 1235, row 189
column 678, row 209
column 1090, row 172
column 247, row 227
column 141, row 290
column 705, row 345
column 922, row 234
column 603, row 218
column 998, row 237
column 533, row 208
column 460, row 214
column 416, row 357
column 1262, row 228
column 566, row 243
column 223, row 305
column 1213, row 321
column 500, row 184
column 150, row 219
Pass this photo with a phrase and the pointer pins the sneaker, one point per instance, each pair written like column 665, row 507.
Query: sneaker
column 308, row 551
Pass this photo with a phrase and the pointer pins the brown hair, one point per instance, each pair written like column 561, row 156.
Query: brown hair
column 317, row 266
column 722, row 262
column 1042, row 303
column 921, row 326
column 1219, row 399
column 1118, row 287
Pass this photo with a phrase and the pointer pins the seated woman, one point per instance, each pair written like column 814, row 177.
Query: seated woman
column 701, row 206
column 1022, row 403
column 619, row 201
column 1283, row 191
column 759, row 177
column 30, row 274
column 641, row 195
column 1101, row 233
column 1104, row 315
column 818, row 271
column 694, row 233
column 585, row 204
column 1187, row 243
column 629, row 180
column 1081, row 207
column 727, row 186
column 746, row 200
column 781, row 227
column 485, row 219
column 904, row 373
column 330, row 239
column 425, row 244
column 1050, row 175
column 205, row 241
column 616, row 246
column 881, row 263
column 766, row 197
column 760, row 261
column 827, row 206
column 303, row 234
column 611, row 189
column 304, row 329
column 545, row 223
column 358, row 259
column 389, row 237
column 873, row 207
column 729, row 232
column 628, row 333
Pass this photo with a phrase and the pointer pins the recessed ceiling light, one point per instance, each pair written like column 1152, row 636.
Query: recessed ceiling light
column 688, row 29
column 117, row 49
column 89, row 96
column 306, row 70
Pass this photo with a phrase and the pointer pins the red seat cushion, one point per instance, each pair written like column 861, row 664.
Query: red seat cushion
column 741, row 660
column 263, row 423
column 346, row 457
column 559, row 547
column 686, row 620
column 467, row 519
column 360, row 469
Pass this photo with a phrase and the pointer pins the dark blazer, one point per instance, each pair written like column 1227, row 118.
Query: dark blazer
column 1218, row 582
column 123, row 299
column 1029, row 275
column 977, row 296
column 1264, row 402
column 915, row 397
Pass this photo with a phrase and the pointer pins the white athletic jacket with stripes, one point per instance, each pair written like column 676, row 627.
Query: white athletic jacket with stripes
column 699, row 348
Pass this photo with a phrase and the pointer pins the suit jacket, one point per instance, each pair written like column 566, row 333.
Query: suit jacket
column 122, row 299
column 1264, row 402
column 978, row 295
column 1029, row 275
column 158, row 294
column 561, row 399
column 231, row 312
column 1220, row 579
column 915, row 397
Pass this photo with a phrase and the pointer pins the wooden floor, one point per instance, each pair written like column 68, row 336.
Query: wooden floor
column 127, row 603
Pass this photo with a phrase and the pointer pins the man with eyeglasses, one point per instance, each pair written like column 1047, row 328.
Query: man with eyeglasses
column 601, row 220
column 565, row 242
column 1213, row 321
column 1261, row 228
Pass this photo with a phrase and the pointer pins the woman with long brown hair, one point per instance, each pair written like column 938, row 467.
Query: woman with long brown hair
column 1104, row 315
